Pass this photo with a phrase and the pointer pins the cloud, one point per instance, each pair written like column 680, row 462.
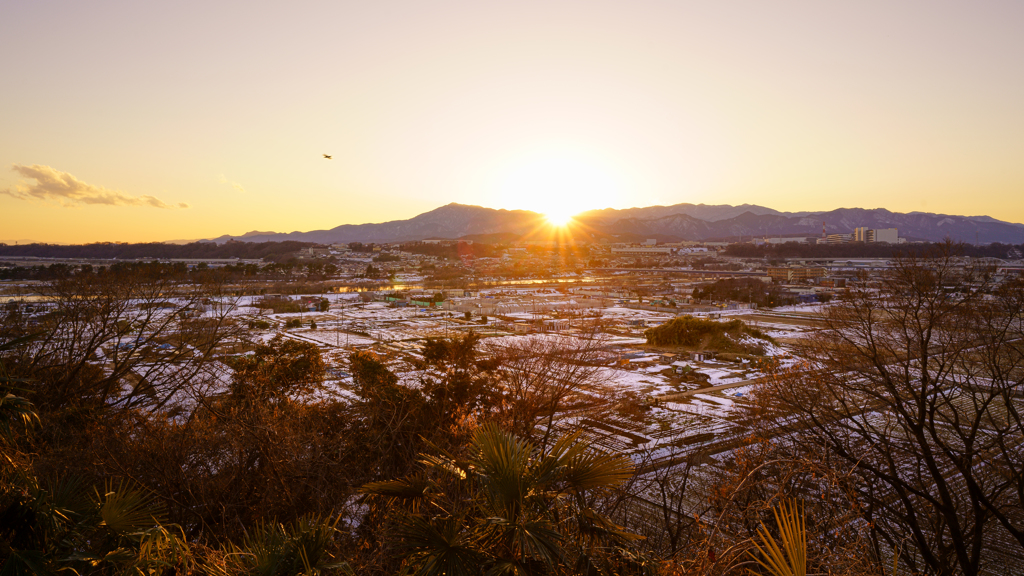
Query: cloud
column 234, row 185
column 61, row 187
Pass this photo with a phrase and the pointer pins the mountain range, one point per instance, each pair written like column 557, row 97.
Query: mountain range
column 699, row 222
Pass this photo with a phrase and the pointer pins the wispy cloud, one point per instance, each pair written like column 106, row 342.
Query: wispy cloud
column 234, row 185
column 52, row 184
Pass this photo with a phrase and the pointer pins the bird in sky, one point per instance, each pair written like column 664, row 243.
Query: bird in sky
column 328, row 156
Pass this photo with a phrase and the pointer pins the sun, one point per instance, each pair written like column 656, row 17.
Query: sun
column 559, row 183
column 559, row 218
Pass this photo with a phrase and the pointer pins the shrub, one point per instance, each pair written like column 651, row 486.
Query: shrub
column 699, row 333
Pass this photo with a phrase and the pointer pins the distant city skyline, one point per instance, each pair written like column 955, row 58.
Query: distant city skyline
column 137, row 122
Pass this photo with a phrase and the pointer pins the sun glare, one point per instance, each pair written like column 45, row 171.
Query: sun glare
column 560, row 184
column 557, row 218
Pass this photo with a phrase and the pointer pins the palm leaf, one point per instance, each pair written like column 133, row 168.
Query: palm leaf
column 444, row 464
column 507, row 568
column 593, row 524
column 412, row 490
column 592, row 470
column 535, row 539
column 502, row 462
column 441, row 546
column 26, row 563
column 551, row 465
column 164, row 547
column 125, row 509
column 790, row 557
column 15, row 410
column 300, row 547
column 540, row 540
column 70, row 495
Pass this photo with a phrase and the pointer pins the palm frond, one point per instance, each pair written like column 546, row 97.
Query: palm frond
column 790, row 557
column 444, row 464
column 503, row 463
column 508, row 568
column 442, row 546
column 15, row 411
column 412, row 490
column 70, row 495
column 592, row 470
column 163, row 547
column 26, row 563
column 540, row 540
column 593, row 524
column 300, row 547
column 550, row 466
column 125, row 508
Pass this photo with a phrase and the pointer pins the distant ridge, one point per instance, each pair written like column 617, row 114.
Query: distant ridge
column 21, row 241
column 698, row 222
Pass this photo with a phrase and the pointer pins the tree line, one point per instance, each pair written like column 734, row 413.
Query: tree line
column 290, row 271
column 868, row 250
column 111, row 250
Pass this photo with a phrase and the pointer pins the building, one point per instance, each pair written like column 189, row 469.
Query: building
column 836, row 239
column 784, row 240
column 864, row 234
column 787, row 274
column 638, row 251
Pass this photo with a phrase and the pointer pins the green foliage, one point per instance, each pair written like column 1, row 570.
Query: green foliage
column 60, row 527
column 16, row 412
column 281, row 305
column 702, row 334
column 744, row 290
column 299, row 547
column 112, row 250
column 121, row 530
column 451, row 250
column 454, row 381
column 507, row 507
column 861, row 250
column 391, row 420
column 293, row 323
column 277, row 369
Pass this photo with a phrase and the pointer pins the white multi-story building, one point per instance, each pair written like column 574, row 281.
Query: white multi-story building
column 864, row 234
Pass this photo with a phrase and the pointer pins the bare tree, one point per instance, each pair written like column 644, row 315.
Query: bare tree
column 541, row 376
column 118, row 339
column 917, row 387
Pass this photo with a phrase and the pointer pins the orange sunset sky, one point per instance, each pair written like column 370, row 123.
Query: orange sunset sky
column 141, row 121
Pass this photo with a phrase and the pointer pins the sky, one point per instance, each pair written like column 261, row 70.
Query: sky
column 148, row 121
